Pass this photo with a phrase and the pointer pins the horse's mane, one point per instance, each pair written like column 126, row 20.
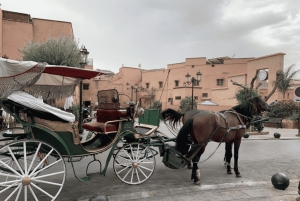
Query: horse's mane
column 247, row 108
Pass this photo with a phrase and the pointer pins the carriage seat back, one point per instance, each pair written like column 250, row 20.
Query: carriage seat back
column 104, row 116
column 107, row 115
column 58, row 126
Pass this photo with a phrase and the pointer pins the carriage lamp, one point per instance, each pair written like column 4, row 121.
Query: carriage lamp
column 193, row 81
column 84, row 56
column 135, row 89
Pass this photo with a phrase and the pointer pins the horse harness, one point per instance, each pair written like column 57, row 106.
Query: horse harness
column 228, row 129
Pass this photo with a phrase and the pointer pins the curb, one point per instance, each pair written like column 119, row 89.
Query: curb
column 196, row 189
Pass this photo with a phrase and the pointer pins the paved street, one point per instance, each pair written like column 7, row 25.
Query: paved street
column 261, row 156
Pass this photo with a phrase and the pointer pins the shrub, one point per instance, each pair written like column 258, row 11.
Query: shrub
column 63, row 50
column 186, row 104
column 284, row 109
column 156, row 105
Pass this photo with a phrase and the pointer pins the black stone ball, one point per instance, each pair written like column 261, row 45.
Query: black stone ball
column 299, row 188
column 246, row 135
column 280, row 181
column 277, row 135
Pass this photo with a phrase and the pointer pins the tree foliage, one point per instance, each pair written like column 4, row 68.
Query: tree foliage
column 63, row 50
column 284, row 109
column 242, row 95
column 286, row 77
column 156, row 105
column 186, row 104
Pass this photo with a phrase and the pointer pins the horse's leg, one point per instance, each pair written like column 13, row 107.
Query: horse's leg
column 236, row 157
column 195, row 170
column 228, row 153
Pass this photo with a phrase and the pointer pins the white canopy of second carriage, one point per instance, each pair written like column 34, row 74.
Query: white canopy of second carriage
column 40, row 79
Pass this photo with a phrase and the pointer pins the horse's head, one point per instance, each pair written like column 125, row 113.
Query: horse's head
column 260, row 105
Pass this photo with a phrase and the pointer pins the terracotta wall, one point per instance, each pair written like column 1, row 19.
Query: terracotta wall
column 17, row 28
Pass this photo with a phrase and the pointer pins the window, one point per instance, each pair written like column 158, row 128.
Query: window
column 160, row 85
column 193, row 66
column 177, row 97
column 204, row 95
column 170, row 100
column 220, row 82
column 85, row 86
column 176, row 83
column 147, row 85
column 196, row 97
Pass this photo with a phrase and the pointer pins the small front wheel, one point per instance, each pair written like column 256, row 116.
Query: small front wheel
column 134, row 163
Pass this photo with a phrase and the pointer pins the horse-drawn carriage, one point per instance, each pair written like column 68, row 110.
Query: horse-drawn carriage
column 32, row 158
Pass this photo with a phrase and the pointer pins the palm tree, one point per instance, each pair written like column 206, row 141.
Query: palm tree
column 286, row 78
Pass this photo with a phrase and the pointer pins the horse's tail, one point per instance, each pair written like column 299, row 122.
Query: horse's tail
column 172, row 116
column 182, row 137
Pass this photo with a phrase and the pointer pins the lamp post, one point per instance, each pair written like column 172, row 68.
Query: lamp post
column 134, row 88
column 84, row 54
column 193, row 81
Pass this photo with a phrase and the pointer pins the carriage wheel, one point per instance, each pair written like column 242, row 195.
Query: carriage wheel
column 6, row 139
column 38, row 171
column 134, row 163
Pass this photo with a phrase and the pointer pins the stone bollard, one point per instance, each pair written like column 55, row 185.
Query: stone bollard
column 98, row 197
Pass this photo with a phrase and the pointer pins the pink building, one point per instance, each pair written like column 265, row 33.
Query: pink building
column 215, row 86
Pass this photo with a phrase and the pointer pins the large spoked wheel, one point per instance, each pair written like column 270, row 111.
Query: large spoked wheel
column 31, row 170
column 7, row 135
column 134, row 163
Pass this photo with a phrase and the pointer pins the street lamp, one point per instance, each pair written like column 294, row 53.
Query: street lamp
column 135, row 89
column 84, row 55
column 193, row 81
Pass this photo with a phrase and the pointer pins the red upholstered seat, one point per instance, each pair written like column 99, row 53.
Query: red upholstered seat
column 99, row 127
column 102, row 117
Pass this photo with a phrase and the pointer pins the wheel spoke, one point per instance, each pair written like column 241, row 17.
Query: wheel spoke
column 9, row 168
column 122, row 169
column 12, row 193
column 19, row 192
column 46, row 167
column 34, row 156
column 8, row 187
column 132, row 174
column 32, row 192
column 137, row 174
column 42, row 190
column 16, row 162
column 25, row 193
column 142, row 172
column 127, row 173
column 46, row 182
column 128, row 155
column 47, row 175
column 25, row 158
column 41, row 162
column 145, row 168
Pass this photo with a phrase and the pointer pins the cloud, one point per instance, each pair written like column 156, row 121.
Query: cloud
column 159, row 32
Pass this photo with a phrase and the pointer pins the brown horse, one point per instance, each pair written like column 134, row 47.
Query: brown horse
column 225, row 126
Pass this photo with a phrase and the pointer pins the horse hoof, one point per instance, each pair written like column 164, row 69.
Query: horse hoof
column 229, row 172
column 197, row 182
column 238, row 175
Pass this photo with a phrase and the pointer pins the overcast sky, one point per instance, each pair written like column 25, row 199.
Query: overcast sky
column 155, row 33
